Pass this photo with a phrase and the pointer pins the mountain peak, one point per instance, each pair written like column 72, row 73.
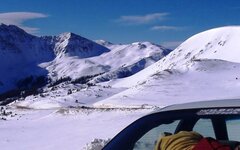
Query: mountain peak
column 68, row 35
column 12, row 32
column 71, row 44
column 13, row 28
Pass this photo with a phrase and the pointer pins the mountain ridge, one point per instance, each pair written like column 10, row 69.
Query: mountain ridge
column 62, row 56
column 204, row 67
column 218, row 43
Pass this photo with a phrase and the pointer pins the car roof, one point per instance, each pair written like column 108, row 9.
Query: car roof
column 203, row 104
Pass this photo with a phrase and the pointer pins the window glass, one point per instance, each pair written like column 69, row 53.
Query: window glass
column 204, row 127
column 150, row 138
column 233, row 128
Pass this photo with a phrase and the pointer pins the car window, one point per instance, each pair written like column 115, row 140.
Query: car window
column 150, row 138
column 233, row 128
column 205, row 128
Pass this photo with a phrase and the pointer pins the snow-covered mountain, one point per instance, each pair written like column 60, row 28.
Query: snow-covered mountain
column 68, row 55
column 207, row 59
column 219, row 43
column 70, row 44
column 23, row 55
column 108, row 63
column 134, row 57
column 206, row 66
column 20, row 54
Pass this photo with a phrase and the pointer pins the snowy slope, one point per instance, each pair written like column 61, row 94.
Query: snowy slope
column 126, row 60
column 67, row 55
column 132, row 60
column 204, row 80
column 118, row 57
column 219, row 43
column 70, row 44
column 206, row 66
column 126, row 54
column 20, row 54
column 23, row 55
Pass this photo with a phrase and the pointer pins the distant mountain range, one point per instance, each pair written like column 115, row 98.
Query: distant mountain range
column 27, row 58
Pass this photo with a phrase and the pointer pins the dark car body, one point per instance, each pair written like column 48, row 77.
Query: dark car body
column 218, row 119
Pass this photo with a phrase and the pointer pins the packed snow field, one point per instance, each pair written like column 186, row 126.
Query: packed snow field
column 202, row 80
column 119, row 83
column 62, row 129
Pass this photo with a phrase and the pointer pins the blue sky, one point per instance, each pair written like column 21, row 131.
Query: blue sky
column 166, row 22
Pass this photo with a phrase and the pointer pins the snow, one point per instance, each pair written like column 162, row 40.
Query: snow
column 73, row 128
column 60, row 97
column 50, row 129
column 68, row 116
column 70, row 44
column 219, row 43
column 66, row 55
column 19, row 54
column 203, row 80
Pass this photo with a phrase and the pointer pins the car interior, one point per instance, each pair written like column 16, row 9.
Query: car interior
column 146, row 132
column 214, row 126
